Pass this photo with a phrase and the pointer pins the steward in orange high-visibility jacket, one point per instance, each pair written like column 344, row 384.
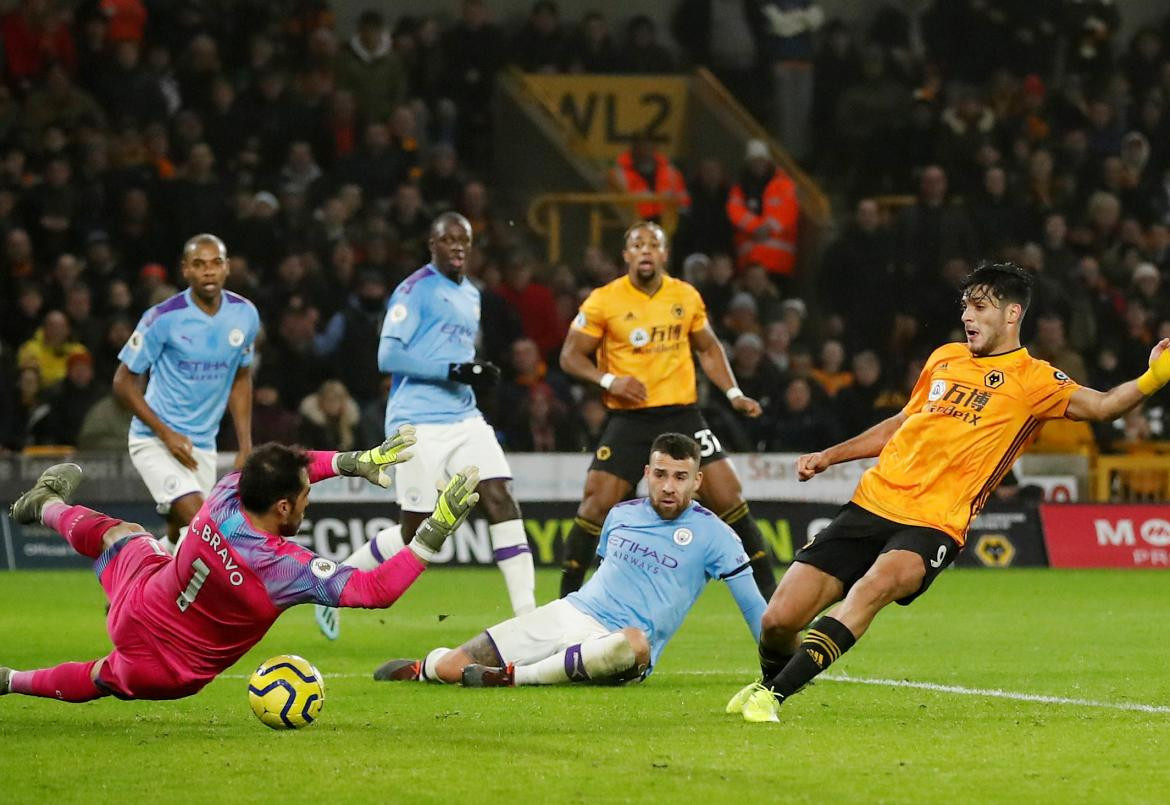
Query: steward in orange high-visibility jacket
column 764, row 211
column 642, row 170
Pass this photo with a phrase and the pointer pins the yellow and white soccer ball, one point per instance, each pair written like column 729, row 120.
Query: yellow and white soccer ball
column 286, row 692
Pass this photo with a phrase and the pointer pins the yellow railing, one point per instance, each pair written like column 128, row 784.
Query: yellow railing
column 544, row 214
column 1132, row 478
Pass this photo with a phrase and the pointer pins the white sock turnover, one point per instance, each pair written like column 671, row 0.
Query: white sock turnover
column 599, row 658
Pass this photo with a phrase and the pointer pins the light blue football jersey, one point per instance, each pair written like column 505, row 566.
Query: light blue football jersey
column 653, row 571
column 193, row 359
column 436, row 321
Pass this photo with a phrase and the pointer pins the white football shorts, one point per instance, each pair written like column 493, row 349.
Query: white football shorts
column 441, row 451
column 544, row 631
column 165, row 477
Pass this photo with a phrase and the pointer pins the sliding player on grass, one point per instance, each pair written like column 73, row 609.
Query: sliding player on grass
column 658, row 555
column 975, row 408
column 177, row 622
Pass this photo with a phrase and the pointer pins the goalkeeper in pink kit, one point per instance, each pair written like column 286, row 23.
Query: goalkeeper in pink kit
column 178, row 622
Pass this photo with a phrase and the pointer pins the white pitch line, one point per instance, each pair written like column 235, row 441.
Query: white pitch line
column 992, row 693
column 934, row 687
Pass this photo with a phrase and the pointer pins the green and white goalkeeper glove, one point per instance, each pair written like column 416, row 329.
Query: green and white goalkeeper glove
column 371, row 464
column 456, row 501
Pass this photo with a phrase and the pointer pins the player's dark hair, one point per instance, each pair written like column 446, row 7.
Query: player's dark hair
column 200, row 239
column 1006, row 282
column 272, row 472
column 676, row 445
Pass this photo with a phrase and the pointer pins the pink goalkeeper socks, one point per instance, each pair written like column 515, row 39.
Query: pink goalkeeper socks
column 83, row 527
column 68, row 682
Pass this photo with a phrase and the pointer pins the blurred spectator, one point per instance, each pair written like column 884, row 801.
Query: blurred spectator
column 932, row 231
column 642, row 170
column 541, row 424
column 86, row 327
column 540, row 44
column 69, row 401
column 330, row 419
column 349, row 340
column 289, row 364
column 857, row 275
column 271, row 421
column 369, row 70
column 534, row 303
column 22, row 313
column 801, row 426
column 27, row 410
column 754, row 280
column 831, row 372
column 726, row 36
column 743, row 316
column 759, row 379
column 105, row 426
column 788, row 48
column 857, row 403
column 1050, row 345
column 871, row 117
column 641, row 52
column 591, row 49
column 35, row 35
column 706, row 228
column 764, row 211
column 474, row 50
column 777, row 342
column 49, row 349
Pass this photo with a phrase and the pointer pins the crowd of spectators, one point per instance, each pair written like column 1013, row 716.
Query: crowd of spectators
column 321, row 156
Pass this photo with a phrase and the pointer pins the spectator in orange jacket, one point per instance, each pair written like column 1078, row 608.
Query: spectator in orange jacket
column 642, row 170
column 764, row 210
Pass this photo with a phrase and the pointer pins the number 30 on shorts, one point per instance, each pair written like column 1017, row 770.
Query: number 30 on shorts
column 708, row 442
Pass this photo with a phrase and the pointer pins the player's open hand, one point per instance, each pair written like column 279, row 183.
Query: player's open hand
column 181, row 448
column 810, row 464
column 372, row 464
column 747, row 406
column 628, row 388
column 455, row 502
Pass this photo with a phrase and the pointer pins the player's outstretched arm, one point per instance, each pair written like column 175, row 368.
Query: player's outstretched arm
column 1090, row 404
column 867, row 444
column 382, row 586
column 714, row 362
column 371, row 464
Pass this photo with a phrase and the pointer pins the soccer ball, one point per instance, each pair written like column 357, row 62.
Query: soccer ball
column 286, row 692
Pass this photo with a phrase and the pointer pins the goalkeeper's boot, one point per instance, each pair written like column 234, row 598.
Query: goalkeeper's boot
column 56, row 484
column 5, row 680
column 398, row 671
column 735, row 705
column 762, row 705
column 328, row 620
column 485, row 676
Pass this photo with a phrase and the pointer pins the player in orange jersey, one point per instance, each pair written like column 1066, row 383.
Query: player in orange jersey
column 975, row 408
column 643, row 327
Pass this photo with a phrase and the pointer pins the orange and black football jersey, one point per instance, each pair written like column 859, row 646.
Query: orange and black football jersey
column 969, row 418
column 646, row 336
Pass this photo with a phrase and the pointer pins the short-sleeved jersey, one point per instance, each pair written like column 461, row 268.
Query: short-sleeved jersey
column 648, row 337
column 193, row 359
column 228, row 583
column 968, row 419
column 434, row 319
column 654, row 569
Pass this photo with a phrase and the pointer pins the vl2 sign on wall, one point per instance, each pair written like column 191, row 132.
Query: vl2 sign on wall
column 1107, row 535
column 605, row 114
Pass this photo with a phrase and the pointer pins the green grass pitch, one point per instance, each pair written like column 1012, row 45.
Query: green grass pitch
column 1087, row 636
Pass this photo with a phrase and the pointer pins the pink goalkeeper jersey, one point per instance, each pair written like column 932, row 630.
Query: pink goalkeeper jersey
column 230, row 581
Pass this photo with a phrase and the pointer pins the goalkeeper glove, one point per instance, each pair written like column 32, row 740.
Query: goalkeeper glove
column 455, row 502
column 477, row 374
column 1157, row 375
column 372, row 464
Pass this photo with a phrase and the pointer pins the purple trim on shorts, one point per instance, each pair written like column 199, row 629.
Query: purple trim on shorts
column 574, row 665
column 511, row 552
column 495, row 648
column 497, row 478
column 374, row 550
column 111, row 553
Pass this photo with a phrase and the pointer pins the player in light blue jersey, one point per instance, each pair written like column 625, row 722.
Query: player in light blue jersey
column 658, row 554
column 197, row 347
column 428, row 346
